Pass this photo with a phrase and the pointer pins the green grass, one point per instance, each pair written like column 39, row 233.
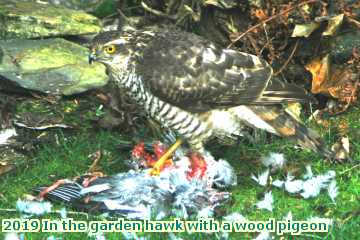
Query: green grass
column 68, row 157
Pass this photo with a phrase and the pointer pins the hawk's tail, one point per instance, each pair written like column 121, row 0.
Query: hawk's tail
column 285, row 125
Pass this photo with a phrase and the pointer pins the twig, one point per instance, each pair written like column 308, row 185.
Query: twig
column 157, row 12
column 349, row 169
column 289, row 59
column 97, row 156
column 269, row 19
column 353, row 21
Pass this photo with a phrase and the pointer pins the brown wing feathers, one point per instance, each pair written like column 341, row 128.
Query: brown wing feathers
column 194, row 74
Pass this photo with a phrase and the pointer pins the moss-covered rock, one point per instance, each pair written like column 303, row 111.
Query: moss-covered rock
column 343, row 45
column 31, row 20
column 53, row 66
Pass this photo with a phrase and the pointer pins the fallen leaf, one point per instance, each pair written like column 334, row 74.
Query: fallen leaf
column 304, row 30
column 341, row 149
column 260, row 14
column 319, row 69
column 95, row 157
column 333, row 25
column 334, row 80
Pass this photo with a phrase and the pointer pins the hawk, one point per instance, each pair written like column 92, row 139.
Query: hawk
column 198, row 89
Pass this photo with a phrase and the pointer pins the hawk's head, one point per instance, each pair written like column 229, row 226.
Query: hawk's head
column 111, row 49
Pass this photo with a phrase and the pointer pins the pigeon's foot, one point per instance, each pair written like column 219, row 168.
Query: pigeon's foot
column 85, row 182
column 55, row 185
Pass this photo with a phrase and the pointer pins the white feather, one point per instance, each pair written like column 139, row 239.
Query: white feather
column 274, row 160
column 263, row 236
column 312, row 187
column 267, row 202
column 262, row 178
column 208, row 55
column 6, row 134
column 291, row 185
column 288, row 216
column 278, row 183
column 333, row 190
column 309, row 173
column 235, row 217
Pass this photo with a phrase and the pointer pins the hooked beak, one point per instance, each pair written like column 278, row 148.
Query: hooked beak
column 92, row 56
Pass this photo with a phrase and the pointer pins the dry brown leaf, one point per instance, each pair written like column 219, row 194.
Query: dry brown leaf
column 95, row 157
column 320, row 71
column 341, row 149
column 260, row 14
column 336, row 81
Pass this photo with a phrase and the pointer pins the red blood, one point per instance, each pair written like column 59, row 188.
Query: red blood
column 159, row 149
column 140, row 153
column 198, row 166
column 139, row 150
column 88, row 180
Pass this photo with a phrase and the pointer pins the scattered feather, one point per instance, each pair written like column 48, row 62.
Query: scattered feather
column 274, row 161
column 160, row 215
column 333, row 190
column 309, row 173
column 288, row 216
column 278, row 183
column 33, row 207
column 235, row 217
column 220, row 173
column 6, row 134
column 267, row 202
column 52, row 237
column 207, row 212
column 12, row 236
column 312, row 187
column 262, row 178
column 263, row 236
column 129, row 235
column 291, row 185
column 63, row 213
column 172, row 236
column 100, row 237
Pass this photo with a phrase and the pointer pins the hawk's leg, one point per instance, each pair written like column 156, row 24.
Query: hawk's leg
column 164, row 158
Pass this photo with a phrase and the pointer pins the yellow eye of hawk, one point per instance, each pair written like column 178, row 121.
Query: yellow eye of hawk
column 110, row 49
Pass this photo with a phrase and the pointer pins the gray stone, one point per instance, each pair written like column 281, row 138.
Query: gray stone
column 53, row 66
column 32, row 20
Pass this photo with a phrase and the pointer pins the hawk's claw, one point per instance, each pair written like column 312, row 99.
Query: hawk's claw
column 159, row 165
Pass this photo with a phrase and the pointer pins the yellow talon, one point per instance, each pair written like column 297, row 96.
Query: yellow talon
column 163, row 159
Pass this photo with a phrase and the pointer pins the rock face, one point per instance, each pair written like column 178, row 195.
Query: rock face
column 53, row 66
column 33, row 20
column 343, row 45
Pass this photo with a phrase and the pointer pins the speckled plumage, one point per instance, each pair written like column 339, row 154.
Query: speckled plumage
column 198, row 89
